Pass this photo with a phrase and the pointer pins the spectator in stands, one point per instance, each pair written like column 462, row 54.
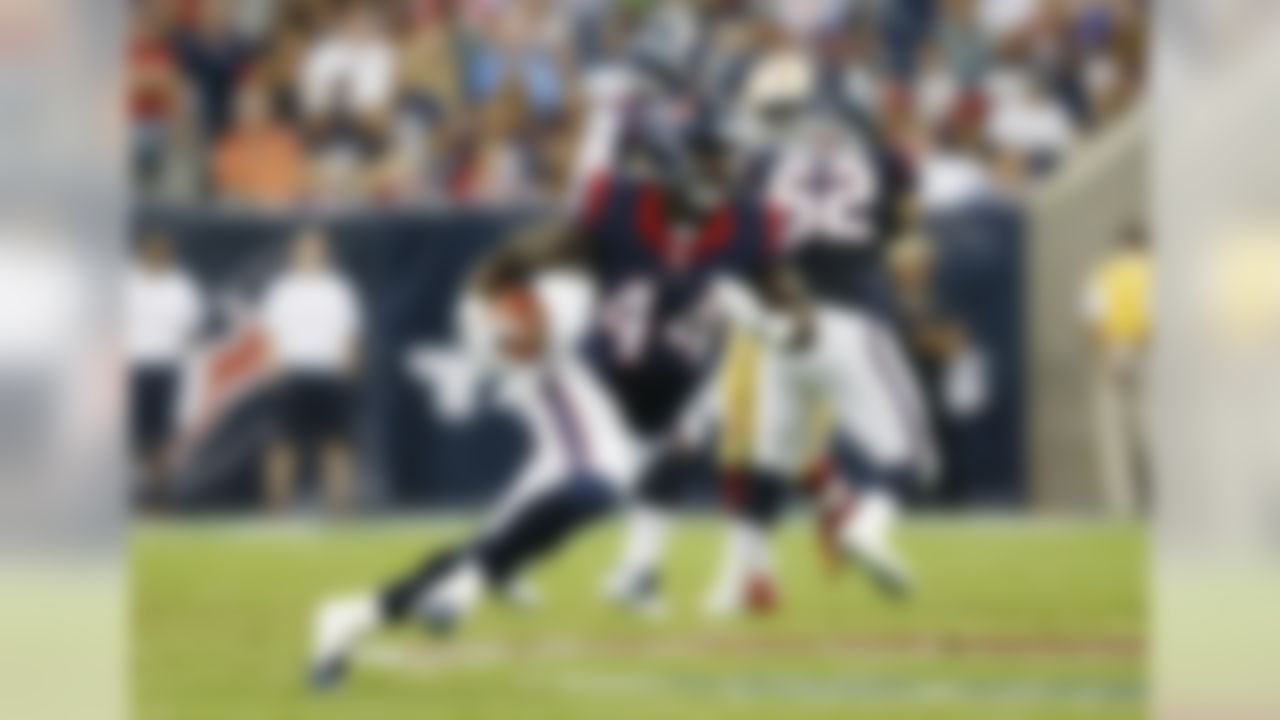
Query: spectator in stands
column 259, row 163
column 904, row 25
column 1102, row 82
column 851, row 67
column 964, row 44
column 432, row 108
column 389, row 109
column 279, row 66
column 348, row 89
column 1003, row 19
column 312, row 319
column 1030, row 123
column 522, row 44
column 1109, row 37
column 538, row 38
column 154, row 95
column 953, row 172
column 937, row 89
column 215, row 57
column 163, row 314
column 490, row 167
column 1117, row 314
column 431, row 85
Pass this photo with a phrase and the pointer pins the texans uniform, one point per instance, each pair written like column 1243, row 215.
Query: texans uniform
column 834, row 190
column 658, row 332
column 838, row 200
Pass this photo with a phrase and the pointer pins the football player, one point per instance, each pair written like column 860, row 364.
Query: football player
column 839, row 194
column 670, row 258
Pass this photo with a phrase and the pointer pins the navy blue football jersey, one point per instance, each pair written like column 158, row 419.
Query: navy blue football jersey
column 838, row 205
column 656, row 333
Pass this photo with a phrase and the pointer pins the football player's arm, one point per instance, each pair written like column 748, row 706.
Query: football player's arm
column 788, row 305
column 774, row 305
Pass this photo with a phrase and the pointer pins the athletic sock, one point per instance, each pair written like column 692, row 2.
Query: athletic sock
column 645, row 542
column 875, row 518
column 746, row 556
column 343, row 622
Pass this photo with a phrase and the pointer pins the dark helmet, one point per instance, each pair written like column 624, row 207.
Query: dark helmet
column 696, row 166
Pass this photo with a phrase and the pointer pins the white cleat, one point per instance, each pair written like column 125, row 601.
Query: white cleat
column 881, row 564
column 756, row 594
column 337, row 626
column 724, row 601
column 864, row 539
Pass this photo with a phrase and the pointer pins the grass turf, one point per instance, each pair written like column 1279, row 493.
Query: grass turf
column 1014, row 619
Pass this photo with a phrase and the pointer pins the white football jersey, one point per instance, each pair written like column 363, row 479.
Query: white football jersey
column 574, row 425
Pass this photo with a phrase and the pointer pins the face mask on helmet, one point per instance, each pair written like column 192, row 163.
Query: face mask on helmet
column 700, row 174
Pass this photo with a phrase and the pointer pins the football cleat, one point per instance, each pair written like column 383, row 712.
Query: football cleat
column 327, row 675
column 336, row 628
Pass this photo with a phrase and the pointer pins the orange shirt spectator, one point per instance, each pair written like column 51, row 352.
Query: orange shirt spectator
column 260, row 161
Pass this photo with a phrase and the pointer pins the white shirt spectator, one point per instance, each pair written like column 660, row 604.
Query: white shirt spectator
column 341, row 73
column 1102, row 75
column 312, row 320
column 1005, row 83
column 1001, row 18
column 163, row 314
column 1032, row 123
column 503, row 178
column 864, row 87
column 937, row 92
column 950, row 180
column 804, row 18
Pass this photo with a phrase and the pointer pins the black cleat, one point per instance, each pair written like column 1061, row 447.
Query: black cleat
column 327, row 676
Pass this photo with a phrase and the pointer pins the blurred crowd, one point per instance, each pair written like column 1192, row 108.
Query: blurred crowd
column 305, row 104
column 277, row 103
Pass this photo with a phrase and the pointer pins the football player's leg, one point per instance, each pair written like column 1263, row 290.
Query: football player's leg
column 755, row 482
column 446, row 586
column 340, row 623
column 876, row 409
column 636, row 579
column 540, row 529
column 744, row 580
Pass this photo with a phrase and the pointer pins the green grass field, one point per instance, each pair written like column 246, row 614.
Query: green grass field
column 1014, row 619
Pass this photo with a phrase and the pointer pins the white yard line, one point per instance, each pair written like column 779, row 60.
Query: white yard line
column 820, row 688
column 454, row 655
